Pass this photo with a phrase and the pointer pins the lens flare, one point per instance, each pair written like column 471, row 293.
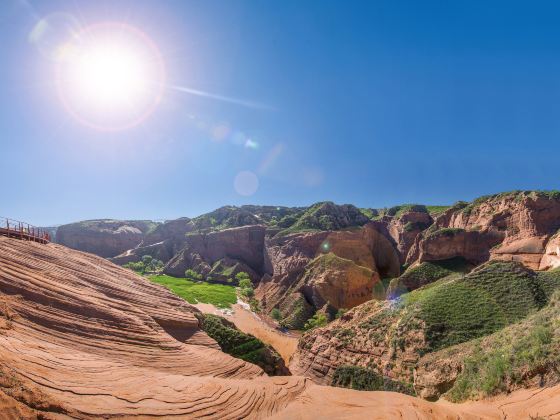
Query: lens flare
column 111, row 76
column 246, row 183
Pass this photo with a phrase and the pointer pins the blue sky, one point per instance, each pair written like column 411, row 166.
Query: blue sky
column 373, row 103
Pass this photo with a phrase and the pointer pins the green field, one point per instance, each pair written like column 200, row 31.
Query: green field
column 219, row 295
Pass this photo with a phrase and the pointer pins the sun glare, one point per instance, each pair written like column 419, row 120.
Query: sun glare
column 111, row 76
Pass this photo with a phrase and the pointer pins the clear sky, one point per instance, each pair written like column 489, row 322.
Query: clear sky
column 373, row 103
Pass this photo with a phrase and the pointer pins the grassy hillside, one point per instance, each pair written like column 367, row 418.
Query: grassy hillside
column 510, row 358
column 489, row 298
column 424, row 274
column 328, row 216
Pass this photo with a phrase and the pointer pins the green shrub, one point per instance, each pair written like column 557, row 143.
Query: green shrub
column 276, row 314
column 317, row 320
column 362, row 379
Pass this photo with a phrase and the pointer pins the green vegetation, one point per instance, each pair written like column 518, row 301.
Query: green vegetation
column 319, row 319
column 295, row 311
column 327, row 216
column 449, row 232
column 425, row 273
column 276, row 314
column 340, row 313
column 148, row 264
column 245, row 285
column 359, row 378
column 193, row 275
column 412, row 226
column 369, row 213
column 435, row 210
column 489, row 298
column 220, row 295
column 398, row 211
column 549, row 281
column 238, row 344
column 511, row 356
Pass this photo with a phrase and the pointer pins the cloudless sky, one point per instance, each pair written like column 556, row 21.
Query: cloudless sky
column 373, row 103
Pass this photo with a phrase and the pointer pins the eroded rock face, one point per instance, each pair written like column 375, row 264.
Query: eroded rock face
column 510, row 226
column 244, row 245
column 360, row 338
column 551, row 257
column 298, row 272
column 450, row 243
column 405, row 228
column 106, row 238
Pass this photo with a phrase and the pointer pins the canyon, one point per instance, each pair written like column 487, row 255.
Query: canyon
column 414, row 299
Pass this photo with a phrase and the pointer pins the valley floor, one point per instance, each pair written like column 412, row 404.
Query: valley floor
column 250, row 323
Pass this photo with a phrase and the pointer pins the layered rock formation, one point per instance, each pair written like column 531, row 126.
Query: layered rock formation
column 512, row 226
column 83, row 338
column 106, row 238
column 307, row 271
column 237, row 246
column 390, row 337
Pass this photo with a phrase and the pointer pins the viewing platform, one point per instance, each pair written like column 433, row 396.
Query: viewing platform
column 24, row 231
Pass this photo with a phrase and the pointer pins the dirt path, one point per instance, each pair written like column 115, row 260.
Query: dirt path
column 248, row 322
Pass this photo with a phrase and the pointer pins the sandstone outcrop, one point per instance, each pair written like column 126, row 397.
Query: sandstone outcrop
column 551, row 257
column 405, row 227
column 512, row 226
column 243, row 245
column 106, row 238
column 300, row 279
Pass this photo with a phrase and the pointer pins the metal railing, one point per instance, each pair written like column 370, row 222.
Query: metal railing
column 21, row 230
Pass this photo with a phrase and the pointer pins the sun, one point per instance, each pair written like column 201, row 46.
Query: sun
column 111, row 76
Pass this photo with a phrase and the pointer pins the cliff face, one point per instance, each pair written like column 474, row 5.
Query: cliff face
column 243, row 245
column 305, row 272
column 509, row 226
column 106, row 238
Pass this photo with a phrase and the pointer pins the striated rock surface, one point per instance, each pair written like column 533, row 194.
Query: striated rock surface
column 243, row 245
column 447, row 243
column 82, row 338
column 106, row 238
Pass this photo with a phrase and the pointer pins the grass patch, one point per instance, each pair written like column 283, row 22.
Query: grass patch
column 219, row 295
column 449, row 232
column 362, row 379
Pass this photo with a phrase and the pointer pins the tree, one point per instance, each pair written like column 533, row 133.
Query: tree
column 193, row 275
column 245, row 284
column 242, row 275
column 147, row 259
